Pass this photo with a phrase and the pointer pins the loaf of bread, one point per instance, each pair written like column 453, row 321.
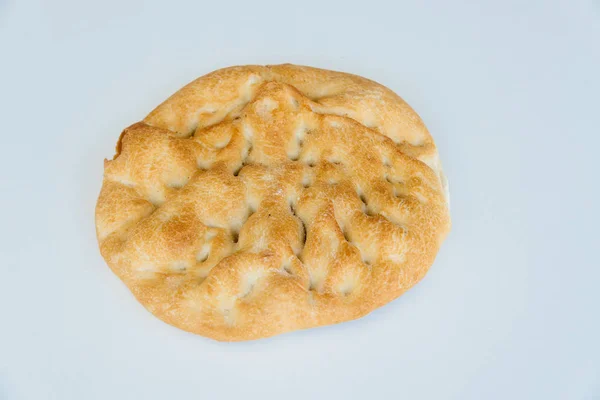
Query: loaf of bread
column 259, row 200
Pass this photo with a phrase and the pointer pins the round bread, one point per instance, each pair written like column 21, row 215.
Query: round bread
column 259, row 200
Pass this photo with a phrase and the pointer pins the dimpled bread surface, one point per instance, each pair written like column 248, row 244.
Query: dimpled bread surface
column 259, row 200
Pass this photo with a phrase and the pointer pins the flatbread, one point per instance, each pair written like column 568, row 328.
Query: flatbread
column 259, row 200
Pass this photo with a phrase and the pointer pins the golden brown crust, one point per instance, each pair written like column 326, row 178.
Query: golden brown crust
column 263, row 199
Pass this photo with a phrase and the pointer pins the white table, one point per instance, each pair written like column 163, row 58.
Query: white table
column 509, row 89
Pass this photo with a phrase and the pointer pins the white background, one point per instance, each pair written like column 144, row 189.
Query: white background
column 509, row 89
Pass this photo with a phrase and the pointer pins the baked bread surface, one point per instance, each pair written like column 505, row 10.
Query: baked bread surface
column 259, row 200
